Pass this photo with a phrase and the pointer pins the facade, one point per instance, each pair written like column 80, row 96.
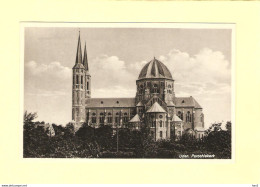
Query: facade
column 155, row 105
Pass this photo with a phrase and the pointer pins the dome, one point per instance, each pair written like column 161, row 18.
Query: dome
column 155, row 69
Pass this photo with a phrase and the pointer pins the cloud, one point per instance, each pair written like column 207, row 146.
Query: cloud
column 204, row 72
column 52, row 77
column 108, row 72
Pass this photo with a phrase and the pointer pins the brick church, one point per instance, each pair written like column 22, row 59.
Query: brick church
column 155, row 105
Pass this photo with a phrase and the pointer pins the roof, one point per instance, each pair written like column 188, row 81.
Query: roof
column 110, row 102
column 186, row 102
column 85, row 58
column 140, row 104
column 156, row 108
column 170, row 103
column 175, row 118
column 135, row 119
column 79, row 52
column 80, row 66
column 155, row 69
column 78, row 62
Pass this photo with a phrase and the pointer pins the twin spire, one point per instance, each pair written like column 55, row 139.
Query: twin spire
column 79, row 55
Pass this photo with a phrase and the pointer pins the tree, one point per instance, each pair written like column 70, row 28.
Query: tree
column 29, row 117
column 214, row 127
column 35, row 140
column 228, row 125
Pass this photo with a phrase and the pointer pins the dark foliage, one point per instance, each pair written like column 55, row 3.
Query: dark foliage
column 88, row 142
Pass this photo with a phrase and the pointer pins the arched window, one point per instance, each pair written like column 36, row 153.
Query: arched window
column 87, row 85
column 169, row 86
column 81, row 79
column 117, row 118
column 161, row 123
column 109, row 118
column 125, row 118
column 77, row 79
column 101, row 118
column 155, row 88
column 94, row 119
column 188, row 117
column 180, row 115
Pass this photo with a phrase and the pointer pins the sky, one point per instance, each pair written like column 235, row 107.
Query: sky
column 199, row 60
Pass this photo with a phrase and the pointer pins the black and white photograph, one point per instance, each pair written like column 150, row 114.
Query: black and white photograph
column 128, row 91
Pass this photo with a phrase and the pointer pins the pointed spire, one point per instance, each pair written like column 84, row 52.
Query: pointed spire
column 85, row 58
column 79, row 52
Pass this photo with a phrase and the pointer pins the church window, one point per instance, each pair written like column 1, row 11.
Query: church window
column 153, row 123
column 169, row 86
column 77, row 79
column 87, row 85
column 117, row 118
column 160, row 134
column 161, row 123
column 125, row 118
column 94, row 119
column 101, row 118
column 101, row 102
column 183, row 101
column 180, row 115
column 109, row 118
column 117, row 102
column 162, row 84
column 160, row 116
column 188, row 117
column 81, row 79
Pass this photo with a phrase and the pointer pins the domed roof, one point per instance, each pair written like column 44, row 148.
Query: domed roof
column 155, row 69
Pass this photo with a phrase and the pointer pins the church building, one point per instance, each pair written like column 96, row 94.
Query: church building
column 154, row 106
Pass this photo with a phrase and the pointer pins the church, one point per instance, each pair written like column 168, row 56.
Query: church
column 155, row 105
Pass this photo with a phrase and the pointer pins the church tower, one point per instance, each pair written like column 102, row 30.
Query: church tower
column 78, row 89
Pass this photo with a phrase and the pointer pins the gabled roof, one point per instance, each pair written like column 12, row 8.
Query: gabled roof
column 156, row 108
column 186, row 102
column 110, row 102
column 135, row 119
column 140, row 104
column 175, row 118
column 170, row 103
